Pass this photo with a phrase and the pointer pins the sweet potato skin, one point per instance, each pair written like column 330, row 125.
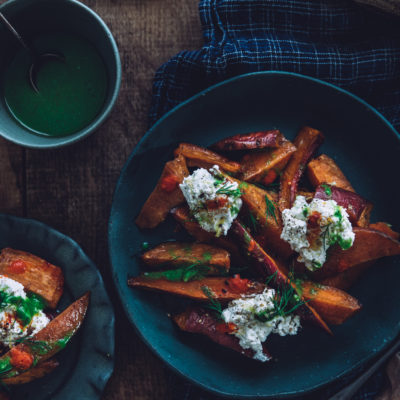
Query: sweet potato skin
column 38, row 371
column 255, row 166
column 323, row 169
column 202, row 322
column 307, row 142
column 61, row 328
column 160, row 201
column 369, row 245
column 221, row 287
column 34, row 273
column 248, row 141
column 200, row 157
column 386, row 229
column 177, row 254
column 357, row 207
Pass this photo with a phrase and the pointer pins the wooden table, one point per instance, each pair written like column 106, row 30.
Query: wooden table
column 71, row 189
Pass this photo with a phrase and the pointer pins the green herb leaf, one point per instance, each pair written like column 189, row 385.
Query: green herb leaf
column 214, row 305
column 271, row 209
column 192, row 272
column 327, row 188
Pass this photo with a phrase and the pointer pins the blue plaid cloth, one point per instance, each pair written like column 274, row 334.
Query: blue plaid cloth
column 338, row 41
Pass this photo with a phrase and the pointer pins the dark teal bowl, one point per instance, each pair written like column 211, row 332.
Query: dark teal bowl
column 36, row 16
column 87, row 362
column 364, row 145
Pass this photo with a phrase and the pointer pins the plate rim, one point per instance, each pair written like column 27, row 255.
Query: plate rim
column 283, row 395
column 111, row 338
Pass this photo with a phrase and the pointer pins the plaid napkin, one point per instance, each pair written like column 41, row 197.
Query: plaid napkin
column 338, row 41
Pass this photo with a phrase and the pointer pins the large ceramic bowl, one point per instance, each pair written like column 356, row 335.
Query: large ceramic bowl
column 364, row 145
column 70, row 16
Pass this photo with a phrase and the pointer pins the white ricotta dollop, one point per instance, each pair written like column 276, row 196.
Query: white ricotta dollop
column 252, row 332
column 214, row 201
column 335, row 228
column 11, row 328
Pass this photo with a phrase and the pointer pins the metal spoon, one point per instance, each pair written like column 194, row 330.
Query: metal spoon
column 38, row 60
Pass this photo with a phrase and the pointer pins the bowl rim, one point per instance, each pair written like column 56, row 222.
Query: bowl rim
column 56, row 142
column 150, row 346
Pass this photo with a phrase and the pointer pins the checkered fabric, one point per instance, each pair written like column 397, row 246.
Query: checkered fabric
column 338, row 41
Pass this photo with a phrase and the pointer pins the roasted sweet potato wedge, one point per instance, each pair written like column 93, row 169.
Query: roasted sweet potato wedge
column 35, row 274
column 334, row 305
column 256, row 166
column 47, row 342
column 177, row 254
column 203, row 322
column 182, row 215
column 197, row 156
column 261, row 205
column 307, row 142
column 369, row 245
column 165, row 195
column 323, row 169
column 222, row 288
column 266, row 266
column 357, row 207
column 248, row 141
column 385, row 228
column 38, row 371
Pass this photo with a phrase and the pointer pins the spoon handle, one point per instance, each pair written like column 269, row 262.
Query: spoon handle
column 7, row 24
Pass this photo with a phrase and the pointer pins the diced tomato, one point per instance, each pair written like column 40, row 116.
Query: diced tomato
column 20, row 359
column 17, row 267
column 217, row 203
column 229, row 327
column 252, row 245
column 270, row 177
column 170, row 183
column 237, row 284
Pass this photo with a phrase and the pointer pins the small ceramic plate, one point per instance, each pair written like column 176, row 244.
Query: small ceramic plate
column 364, row 145
column 88, row 360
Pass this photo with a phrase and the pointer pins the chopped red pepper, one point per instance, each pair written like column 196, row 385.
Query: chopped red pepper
column 17, row 267
column 223, row 327
column 218, row 203
column 270, row 177
column 237, row 284
column 252, row 245
column 20, row 359
column 313, row 228
column 170, row 183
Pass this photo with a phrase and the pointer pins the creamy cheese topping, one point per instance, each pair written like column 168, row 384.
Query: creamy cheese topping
column 214, row 201
column 334, row 227
column 12, row 328
column 252, row 331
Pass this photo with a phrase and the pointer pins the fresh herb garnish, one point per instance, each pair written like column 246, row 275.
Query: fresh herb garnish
column 214, row 305
column 253, row 222
column 229, row 190
column 192, row 272
column 328, row 190
column 207, row 256
column 316, row 264
column 145, row 246
column 271, row 208
column 234, row 211
column 306, row 211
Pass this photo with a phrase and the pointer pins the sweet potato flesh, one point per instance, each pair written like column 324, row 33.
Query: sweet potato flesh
column 165, row 195
column 35, row 274
column 248, row 141
column 368, row 245
column 357, row 207
column 202, row 322
column 323, row 169
column 307, row 142
column 200, row 157
column 177, row 254
column 221, row 288
column 257, row 165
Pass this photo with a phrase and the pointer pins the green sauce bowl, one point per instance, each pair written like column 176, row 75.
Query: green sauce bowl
column 35, row 17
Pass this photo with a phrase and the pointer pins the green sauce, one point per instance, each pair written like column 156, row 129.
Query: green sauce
column 71, row 93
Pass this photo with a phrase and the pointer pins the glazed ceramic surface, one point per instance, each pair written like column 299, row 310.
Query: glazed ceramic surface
column 367, row 149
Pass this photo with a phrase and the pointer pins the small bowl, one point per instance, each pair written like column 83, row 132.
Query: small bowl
column 31, row 17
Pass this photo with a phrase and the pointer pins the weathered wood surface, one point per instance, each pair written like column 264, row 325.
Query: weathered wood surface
column 71, row 189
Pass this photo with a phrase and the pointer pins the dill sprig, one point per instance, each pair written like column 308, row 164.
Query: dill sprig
column 229, row 190
column 192, row 272
column 213, row 305
column 271, row 209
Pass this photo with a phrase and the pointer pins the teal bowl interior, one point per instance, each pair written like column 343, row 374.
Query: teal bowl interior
column 367, row 149
column 32, row 17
